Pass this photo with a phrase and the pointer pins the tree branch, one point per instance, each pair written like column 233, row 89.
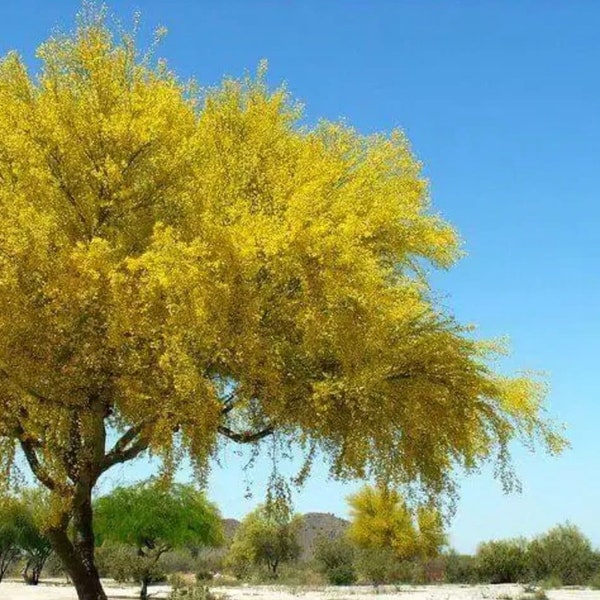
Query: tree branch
column 28, row 448
column 129, row 436
column 245, row 437
column 127, row 446
column 229, row 403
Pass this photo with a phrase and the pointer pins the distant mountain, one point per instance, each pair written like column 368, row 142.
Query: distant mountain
column 229, row 528
column 314, row 525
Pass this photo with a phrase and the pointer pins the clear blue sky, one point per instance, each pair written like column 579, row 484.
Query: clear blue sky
column 501, row 101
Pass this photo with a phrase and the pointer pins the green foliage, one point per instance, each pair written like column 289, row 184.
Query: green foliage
column 460, row 568
column 551, row 583
column 594, row 581
column 153, row 519
column 179, row 561
column 503, row 561
column 11, row 518
column 151, row 516
column 124, row 565
column 335, row 559
column 378, row 565
column 563, row 552
column 192, row 592
column 296, row 575
column 204, row 575
column 210, row 561
column 21, row 533
column 266, row 537
column 35, row 545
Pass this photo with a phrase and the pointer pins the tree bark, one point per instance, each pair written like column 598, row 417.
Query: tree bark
column 77, row 556
column 144, row 590
column 82, row 572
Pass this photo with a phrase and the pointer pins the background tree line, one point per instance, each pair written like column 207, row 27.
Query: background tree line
column 151, row 532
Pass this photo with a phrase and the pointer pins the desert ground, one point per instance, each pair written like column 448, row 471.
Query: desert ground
column 54, row 590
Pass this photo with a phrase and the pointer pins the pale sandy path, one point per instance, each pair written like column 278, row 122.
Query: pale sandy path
column 10, row 590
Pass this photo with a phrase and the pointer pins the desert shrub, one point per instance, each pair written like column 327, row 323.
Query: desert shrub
column 122, row 563
column 192, row 592
column 416, row 573
column 460, row 568
column 434, row 569
column 204, row 575
column 211, row 560
column 298, row 574
column 342, row 575
column 179, row 561
column 594, row 581
column 562, row 552
column 177, row 581
column 378, row 565
column 551, row 583
column 503, row 561
column 335, row 559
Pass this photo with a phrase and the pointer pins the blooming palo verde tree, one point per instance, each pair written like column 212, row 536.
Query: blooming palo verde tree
column 181, row 267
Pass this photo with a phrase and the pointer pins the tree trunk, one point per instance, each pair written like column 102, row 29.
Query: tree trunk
column 82, row 572
column 144, row 590
column 25, row 572
column 77, row 556
column 35, row 574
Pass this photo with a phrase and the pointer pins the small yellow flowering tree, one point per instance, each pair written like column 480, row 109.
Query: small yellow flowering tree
column 387, row 531
column 380, row 518
column 180, row 267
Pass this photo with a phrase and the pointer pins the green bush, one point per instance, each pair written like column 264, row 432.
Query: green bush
column 179, row 561
column 267, row 538
column 177, row 581
column 296, row 574
column 210, row 560
column 192, row 592
column 335, row 559
column 503, row 561
column 594, row 581
column 378, row 565
column 124, row 565
column 459, row 568
column 342, row 575
column 204, row 575
column 552, row 583
column 563, row 552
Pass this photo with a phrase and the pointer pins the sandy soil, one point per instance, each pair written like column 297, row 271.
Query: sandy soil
column 13, row 590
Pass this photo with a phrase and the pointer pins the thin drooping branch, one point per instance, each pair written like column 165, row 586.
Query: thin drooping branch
column 246, row 437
